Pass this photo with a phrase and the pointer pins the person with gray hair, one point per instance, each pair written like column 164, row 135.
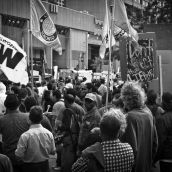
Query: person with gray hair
column 140, row 132
column 110, row 154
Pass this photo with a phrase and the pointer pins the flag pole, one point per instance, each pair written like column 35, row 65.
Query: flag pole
column 31, row 44
column 110, row 52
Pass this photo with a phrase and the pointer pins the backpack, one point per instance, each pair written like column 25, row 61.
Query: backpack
column 70, row 127
column 70, row 122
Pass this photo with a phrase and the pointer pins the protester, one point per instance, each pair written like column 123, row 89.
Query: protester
column 90, row 88
column 12, row 125
column 90, row 120
column 109, row 105
column 153, row 105
column 47, row 102
column 103, row 88
column 29, row 103
column 58, row 107
column 110, row 154
column 140, row 132
column 68, row 83
column 164, row 129
column 36, row 144
column 5, row 164
column 56, row 118
column 73, row 115
column 69, row 99
column 22, row 96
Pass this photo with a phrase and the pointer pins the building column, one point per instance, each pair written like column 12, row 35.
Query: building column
column 86, row 54
column 49, row 56
column 26, row 40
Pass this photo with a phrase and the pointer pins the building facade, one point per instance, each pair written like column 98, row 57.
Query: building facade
column 78, row 22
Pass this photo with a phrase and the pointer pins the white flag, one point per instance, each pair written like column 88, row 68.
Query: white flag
column 43, row 27
column 122, row 26
column 106, row 33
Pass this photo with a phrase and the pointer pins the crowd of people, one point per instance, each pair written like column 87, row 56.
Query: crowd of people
column 71, row 118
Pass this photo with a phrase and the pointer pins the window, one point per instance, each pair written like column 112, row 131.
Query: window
column 58, row 2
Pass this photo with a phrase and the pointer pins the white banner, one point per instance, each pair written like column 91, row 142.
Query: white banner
column 13, row 61
column 43, row 27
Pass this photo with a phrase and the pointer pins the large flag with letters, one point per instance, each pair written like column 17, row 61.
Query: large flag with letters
column 43, row 27
column 13, row 62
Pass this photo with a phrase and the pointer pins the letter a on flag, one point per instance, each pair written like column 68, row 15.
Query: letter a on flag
column 43, row 27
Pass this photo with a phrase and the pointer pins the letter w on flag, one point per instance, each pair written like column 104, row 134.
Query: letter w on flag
column 43, row 27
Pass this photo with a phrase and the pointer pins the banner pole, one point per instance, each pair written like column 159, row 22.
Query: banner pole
column 31, row 44
column 110, row 51
column 160, row 77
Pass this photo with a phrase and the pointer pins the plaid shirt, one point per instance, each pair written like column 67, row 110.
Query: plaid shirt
column 117, row 156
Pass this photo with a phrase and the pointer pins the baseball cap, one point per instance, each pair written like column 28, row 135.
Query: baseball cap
column 90, row 96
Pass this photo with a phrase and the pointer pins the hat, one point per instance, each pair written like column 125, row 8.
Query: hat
column 11, row 102
column 91, row 96
column 68, row 85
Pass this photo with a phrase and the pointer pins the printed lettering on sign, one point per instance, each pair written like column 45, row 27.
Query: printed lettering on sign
column 7, row 54
column 139, row 64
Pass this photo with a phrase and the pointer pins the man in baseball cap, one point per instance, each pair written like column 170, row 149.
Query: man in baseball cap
column 90, row 120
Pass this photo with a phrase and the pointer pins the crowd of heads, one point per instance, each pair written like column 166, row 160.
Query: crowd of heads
column 126, row 96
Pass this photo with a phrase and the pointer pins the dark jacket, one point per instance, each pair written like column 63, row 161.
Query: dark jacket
column 164, row 129
column 96, row 159
column 5, row 164
column 142, row 136
column 12, row 126
column 90, row 121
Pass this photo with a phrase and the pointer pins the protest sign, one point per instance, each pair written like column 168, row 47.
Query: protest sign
column 139, row 64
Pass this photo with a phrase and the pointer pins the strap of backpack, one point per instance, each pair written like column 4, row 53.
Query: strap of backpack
column 74, row 116
column 70, row 133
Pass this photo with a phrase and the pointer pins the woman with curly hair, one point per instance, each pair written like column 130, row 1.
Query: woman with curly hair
column 140, row 132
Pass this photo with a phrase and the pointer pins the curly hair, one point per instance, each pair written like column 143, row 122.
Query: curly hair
column 133, row 95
